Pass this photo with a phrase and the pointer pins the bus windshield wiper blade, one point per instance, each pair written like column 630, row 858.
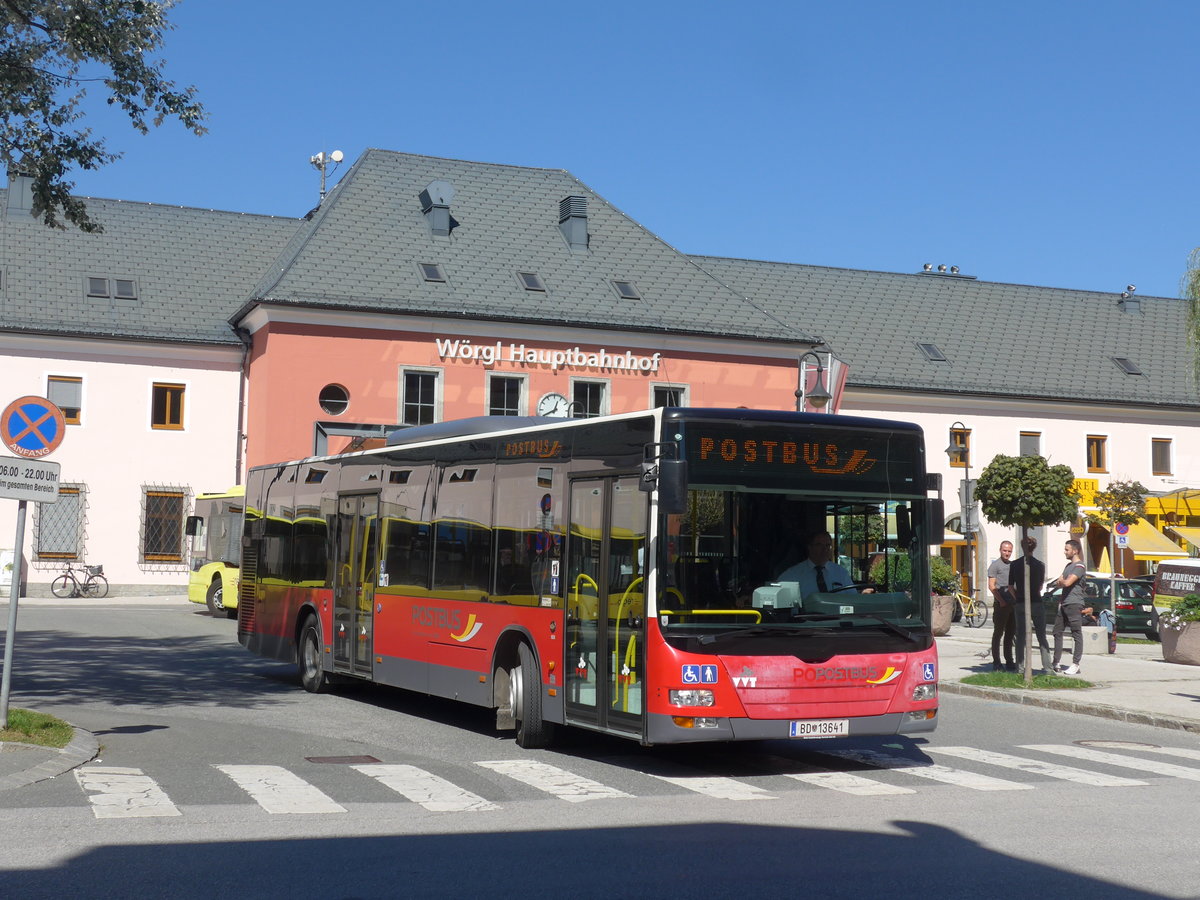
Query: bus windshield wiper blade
column 888, row 624
column 788, row 628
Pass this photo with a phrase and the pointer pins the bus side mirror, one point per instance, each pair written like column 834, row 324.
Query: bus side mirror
column 192, row 527
column 672, row 485
column 935, row 522
column 903, row 526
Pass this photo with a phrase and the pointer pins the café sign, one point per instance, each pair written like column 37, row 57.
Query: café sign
column 555, row 358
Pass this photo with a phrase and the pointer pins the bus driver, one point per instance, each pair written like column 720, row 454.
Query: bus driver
column 818, row 572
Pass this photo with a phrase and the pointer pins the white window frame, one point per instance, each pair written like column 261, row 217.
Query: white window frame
column 606, row 398
column 522, row 400
column 684, row 389
column 439, row 378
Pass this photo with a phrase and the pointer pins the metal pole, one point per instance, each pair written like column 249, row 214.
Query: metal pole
column 9, row 635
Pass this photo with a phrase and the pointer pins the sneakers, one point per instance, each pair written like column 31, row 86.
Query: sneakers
column 1071, row 670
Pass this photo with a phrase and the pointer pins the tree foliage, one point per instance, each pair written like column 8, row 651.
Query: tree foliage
column 1027, row 491
column 1189, row 286
column 896, row 572
column 50, row 52
column 1122, row 501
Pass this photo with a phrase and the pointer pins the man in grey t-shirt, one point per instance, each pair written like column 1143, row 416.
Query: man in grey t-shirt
column 1003, row 623
column 1070, row 606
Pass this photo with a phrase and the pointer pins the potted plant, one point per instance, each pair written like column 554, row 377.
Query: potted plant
column 897, row 572
column 1179, row 628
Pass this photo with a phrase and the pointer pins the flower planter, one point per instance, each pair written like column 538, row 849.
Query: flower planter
column 943, row 614
column 1182, row 646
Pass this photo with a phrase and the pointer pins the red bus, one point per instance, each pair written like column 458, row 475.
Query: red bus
column 626, row 574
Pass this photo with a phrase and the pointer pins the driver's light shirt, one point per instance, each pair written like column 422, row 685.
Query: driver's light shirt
column 805, row 575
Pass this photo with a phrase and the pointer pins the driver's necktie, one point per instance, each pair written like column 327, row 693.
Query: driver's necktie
column 821, row 585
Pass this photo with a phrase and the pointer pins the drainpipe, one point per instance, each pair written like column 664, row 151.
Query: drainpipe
column 247, row 344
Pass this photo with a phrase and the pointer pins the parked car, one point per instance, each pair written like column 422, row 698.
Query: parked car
column 1136, row 614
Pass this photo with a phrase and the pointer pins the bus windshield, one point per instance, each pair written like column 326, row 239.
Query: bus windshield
column 813, row 575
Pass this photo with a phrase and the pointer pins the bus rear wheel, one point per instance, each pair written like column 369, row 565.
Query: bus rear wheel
column 525, row 700
column 312, row 676
column 216, row 591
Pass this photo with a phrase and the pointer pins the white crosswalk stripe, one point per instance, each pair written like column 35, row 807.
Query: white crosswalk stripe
column 553, row 780
column 120, row 793
column 931, row 771
column 1112, row 759
column 717, row 787
column 849, row 783
column 1036, row 767
column 431, row 791
column 278, row 791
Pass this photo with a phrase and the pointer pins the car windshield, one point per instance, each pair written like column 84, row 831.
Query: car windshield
column 741, row 566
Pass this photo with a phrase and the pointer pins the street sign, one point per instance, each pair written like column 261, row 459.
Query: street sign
column 27, row 479
column 1121, row 532
column 32, row 427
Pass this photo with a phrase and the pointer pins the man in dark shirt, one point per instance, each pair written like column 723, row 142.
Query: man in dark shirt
column 1037, row 575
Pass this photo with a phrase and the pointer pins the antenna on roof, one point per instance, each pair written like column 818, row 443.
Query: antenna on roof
column 321, row 163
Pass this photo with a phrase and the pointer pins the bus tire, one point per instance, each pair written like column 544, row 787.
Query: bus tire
column 312, row 676
column 213, row 598
column 525, row 692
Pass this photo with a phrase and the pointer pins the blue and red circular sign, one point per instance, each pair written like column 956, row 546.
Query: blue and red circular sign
column 1122, row 528
column 32, row 427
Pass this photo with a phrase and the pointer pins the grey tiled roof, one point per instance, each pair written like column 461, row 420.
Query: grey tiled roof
column 193, row 268
column 362, row 247
column 999, row 339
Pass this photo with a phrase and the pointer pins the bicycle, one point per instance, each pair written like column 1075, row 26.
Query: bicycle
column 68, row 584
column 974, row 612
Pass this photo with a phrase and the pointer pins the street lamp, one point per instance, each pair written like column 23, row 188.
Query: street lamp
column 819, row 396
column 961, row 454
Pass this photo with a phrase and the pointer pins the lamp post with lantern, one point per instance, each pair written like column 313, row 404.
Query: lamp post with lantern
column 960, row 454
column 819, row 396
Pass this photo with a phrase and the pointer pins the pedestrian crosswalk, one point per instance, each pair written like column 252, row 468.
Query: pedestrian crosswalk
column 120, row 792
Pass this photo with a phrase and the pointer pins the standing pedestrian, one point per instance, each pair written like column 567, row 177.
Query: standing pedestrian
column 1037, row 575
column 1070, row 606
column 1003, row 626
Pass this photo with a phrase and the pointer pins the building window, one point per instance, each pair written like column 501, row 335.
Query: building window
column 1031, row 443
column 669, row 395
column 960, row 447
column 66, row 392
column 163, row 511
column 504, row 395
column 166, row 406
column 432, row 272
column 418, row 398
column 531, row 281
column 116, row 288
column 626, row 290
column 58, row 527
column 97, row 287
column 589, row 399
column 1160, row 456
column 124, row 289
column 333, row 399
column 1097, row 453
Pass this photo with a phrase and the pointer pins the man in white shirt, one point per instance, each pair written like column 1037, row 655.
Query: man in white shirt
column 818, row 573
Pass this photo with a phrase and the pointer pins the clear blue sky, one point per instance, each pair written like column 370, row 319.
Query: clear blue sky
column 1050, row 143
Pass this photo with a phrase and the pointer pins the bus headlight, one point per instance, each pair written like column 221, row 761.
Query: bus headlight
column 925, row 692
column 691, row 698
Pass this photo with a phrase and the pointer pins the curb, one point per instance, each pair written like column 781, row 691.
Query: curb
column 83, row 747
column 1033, row 698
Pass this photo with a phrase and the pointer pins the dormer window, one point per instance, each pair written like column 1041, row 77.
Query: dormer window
column 531, row 281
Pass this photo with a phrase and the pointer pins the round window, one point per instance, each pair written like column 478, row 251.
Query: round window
column 334, row 399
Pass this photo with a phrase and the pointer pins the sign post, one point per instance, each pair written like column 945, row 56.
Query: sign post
column 31, row 427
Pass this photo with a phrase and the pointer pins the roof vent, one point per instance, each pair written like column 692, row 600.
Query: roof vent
column 435, row 203
column 1128, row 302
column 572, row 220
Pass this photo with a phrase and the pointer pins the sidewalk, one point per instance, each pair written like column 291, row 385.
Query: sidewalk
column 1133, row 685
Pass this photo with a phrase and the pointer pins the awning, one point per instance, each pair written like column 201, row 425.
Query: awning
column 1189, row 533
column 1147, row 542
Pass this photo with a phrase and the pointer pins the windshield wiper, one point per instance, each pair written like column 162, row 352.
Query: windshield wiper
column 790, row 628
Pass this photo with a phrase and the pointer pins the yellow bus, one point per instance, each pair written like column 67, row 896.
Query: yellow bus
column 215, row 530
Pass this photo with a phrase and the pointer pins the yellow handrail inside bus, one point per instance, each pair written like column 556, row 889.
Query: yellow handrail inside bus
column 712, row 612
column 630, row 659
column 617, row 629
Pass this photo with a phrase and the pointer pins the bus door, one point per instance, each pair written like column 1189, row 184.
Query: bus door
column 605, row 585
column 354, row 583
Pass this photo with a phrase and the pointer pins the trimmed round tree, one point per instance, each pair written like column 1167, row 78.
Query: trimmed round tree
column 1027, row 492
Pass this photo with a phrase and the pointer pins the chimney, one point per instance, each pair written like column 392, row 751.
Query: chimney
column 20, row 194
column 572, row 221
column 435, row 204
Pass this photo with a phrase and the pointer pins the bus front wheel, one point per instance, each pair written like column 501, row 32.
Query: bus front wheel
column 213, row 598
column 312, row 676
column 525, row 700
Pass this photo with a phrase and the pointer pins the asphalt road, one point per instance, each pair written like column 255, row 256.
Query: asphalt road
column 247, row 786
